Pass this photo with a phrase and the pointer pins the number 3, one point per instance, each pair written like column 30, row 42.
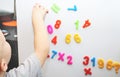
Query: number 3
column 86, row 62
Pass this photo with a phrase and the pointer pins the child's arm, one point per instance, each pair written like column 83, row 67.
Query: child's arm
column 41, row 42
column 30, row 67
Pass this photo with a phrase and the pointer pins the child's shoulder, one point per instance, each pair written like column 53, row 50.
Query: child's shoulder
column 31, row 67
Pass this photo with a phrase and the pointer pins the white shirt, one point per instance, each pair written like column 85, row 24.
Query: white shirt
column 29, row 68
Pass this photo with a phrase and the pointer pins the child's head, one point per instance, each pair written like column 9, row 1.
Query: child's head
column 5, row 53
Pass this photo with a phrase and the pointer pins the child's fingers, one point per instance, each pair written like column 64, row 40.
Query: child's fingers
column 37, row 5
column 47, row 11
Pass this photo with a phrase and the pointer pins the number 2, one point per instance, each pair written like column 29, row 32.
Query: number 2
column 69, row 60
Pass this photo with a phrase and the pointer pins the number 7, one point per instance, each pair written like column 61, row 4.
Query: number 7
column 54, row 53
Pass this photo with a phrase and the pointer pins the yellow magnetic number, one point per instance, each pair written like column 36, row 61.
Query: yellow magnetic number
column 109, row 64
column 68, row 38
column 116, row 65
column 77, row 38
column 101, row 63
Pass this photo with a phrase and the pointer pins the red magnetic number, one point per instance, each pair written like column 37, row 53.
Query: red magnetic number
column 57, row 24
column 87, row 24
column 86, row 62
column 54, row 40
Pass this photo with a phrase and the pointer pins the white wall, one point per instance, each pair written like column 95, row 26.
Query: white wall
column 100, row 40
column 7, row 5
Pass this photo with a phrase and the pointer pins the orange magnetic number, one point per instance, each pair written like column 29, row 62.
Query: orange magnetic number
column 116, row 65
column 109, row 64
column 101, row 63
column 57, row 24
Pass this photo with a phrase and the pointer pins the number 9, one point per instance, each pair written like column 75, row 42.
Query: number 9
column 109, row 64
column 101, row 63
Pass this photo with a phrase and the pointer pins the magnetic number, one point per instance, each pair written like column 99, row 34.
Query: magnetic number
column 54, row 53
column 57, row 24
column 69, row 60
column 87, row 24
column 101, row 63
column 49, row 29
column 93, row 60
column 86, row 60
column 77, row 38
column 68, row 38
column 116, row 65
column 109, row 64
column 54, row 40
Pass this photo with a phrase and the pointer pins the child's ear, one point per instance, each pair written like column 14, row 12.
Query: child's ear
column 3, row 65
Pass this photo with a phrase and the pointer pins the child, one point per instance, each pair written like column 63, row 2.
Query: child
column 32, row 66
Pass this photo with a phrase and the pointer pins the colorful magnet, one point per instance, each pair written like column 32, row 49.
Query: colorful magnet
column 55, row 8
column 73, row 9
column 69, row 60
column 54, row 40
column 61, row 56
column 49, row 29
column 57, row 24
column 77, row 38
column 109, row 65
column 101, row 63
column 116, row 65
column 68, row 38
column 93, row 60
column 54, row 54
column 86, row 60
column 87, row 71
column 77, row 24
column 87, row 24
